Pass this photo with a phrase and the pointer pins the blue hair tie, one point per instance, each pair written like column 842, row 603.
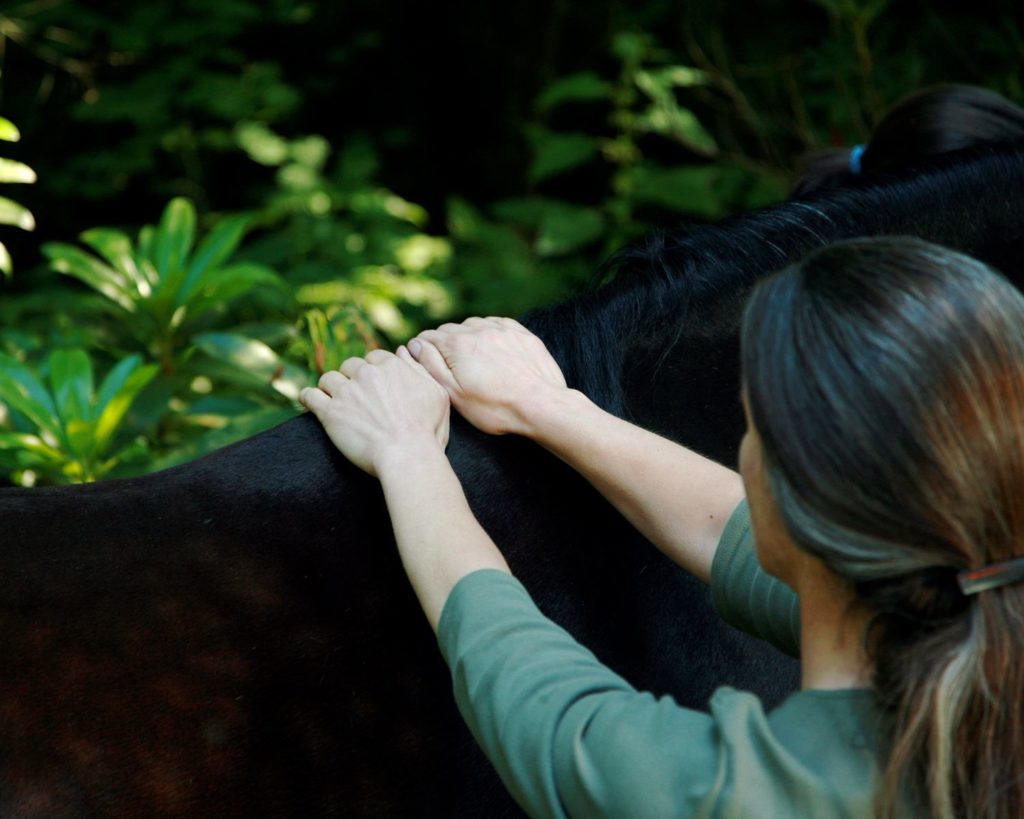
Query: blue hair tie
column 856, row 152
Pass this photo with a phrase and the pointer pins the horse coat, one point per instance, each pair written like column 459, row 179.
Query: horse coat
column 236, row 637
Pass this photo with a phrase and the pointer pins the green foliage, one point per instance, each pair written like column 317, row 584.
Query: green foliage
column 646, row 118
column 357, row 239
column 67, row 433
column 529, row 250
column 11, row 213
column 341, row 238
column 165, row 288
column 164, row 82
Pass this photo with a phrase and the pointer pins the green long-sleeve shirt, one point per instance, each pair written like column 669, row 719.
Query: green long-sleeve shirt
column 569, row 737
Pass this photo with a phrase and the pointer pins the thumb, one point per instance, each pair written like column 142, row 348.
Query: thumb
column 430, row 358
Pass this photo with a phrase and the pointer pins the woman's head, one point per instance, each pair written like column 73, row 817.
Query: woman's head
column 927, row 123
column 885, row 379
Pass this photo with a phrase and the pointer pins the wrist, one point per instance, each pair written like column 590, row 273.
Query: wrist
column 545, row 411
column 403, row 457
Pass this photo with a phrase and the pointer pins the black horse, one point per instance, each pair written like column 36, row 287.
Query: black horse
column 235, row 637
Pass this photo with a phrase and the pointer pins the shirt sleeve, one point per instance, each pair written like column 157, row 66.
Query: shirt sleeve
column 745, row 595
column 568, row 736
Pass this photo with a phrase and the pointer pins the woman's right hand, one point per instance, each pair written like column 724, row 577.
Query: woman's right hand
column 494, row 370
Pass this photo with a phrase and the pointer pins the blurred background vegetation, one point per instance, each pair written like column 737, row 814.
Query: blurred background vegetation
column 206, row 204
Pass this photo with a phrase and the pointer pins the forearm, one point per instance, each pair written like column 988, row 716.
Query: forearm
column 439, row 539
column 677, row 498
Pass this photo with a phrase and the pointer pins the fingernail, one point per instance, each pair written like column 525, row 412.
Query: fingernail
column 415, row 347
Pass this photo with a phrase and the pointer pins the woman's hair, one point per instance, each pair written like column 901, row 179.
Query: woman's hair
column 929, row 122
column 885, row 377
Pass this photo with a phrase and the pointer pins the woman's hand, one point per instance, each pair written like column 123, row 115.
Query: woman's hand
column 493, row 369
column 375, row 408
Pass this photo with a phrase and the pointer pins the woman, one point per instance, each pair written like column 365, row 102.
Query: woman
column 883, row 465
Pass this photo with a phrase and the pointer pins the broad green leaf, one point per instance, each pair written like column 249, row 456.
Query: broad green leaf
column 29, row 443
column 11, row 213
column 114, row 381
column 244, row 426
column 14, row 171
column 19, row 384
column 5, row 261
column 72, row 384
column 218, row 245
column 116, row 408
column 9, row 131
column 256, row 359
column 631, row 46
column 223, row 406
column 559, row 227
column 81, row 435
column 260, row 143
column 690, row 189
column 464, row 220
column 171, row 246
column 680, row 124
column 584, row 86
column 659, row 83
column 116, row 248
column 311, row 151
column 555, row 153
column 222, row 284
column 145, row 244
column 102, row 277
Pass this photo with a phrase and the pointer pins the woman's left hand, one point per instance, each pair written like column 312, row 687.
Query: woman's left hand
column 375, row 407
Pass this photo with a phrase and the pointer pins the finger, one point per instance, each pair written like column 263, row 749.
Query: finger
column 511, row 322
column 476, row 321
column 426, row 336
column 314, row 400
column 377, row 356
column 404, row 354
column 433, row 362
column 451, row 327
column 350, row 366
column 331, row 381
column 440, row 338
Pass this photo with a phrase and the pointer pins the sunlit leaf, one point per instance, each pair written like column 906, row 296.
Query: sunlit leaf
column 261, row 144
column 311, row 151
column 11, row 213
column 6, row 266
column 116, row 248
column 81, row 437
column 115, row 381
column 115, row 408
column 71, row 261
column 9, row 131
column 30, row 443
column 679, row 124
column 256, row 359
column 241, row 426
column 14, row 171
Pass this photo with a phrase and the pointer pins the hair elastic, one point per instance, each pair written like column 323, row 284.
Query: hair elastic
column 856, row 152
column 992, row 576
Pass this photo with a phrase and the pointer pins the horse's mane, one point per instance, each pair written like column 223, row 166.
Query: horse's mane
column 692, row 281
